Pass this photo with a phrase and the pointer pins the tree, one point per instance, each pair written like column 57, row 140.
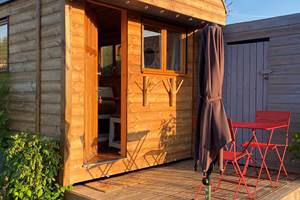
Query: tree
column 228, row 4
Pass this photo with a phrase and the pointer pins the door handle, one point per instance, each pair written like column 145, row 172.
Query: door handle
column 265, row 73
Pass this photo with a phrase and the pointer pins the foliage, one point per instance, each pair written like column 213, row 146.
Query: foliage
column 229, row 4
column 31, row 167
column 3, row 110
column 3, row 101
column 29, row 164
column 294, row 148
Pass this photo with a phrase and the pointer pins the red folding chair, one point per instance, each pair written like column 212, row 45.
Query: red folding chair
column 233, row 156
column 273, row 116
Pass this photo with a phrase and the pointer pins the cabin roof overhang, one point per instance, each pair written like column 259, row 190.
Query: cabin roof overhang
column 189, row 12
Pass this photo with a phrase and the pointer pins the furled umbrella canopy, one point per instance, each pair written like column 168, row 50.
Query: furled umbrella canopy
column 212, row 132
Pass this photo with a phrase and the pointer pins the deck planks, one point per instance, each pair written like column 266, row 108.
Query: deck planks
column 172, row 181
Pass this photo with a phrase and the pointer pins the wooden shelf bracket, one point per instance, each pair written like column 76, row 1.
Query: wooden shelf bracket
column 148, row 86
column 172, row 89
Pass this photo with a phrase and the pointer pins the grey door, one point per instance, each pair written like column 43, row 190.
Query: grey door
column 245, row 80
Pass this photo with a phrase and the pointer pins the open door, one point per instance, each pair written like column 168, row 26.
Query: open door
column 105, row 83
column 91, row 86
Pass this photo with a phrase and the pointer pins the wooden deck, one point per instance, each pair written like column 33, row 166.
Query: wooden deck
column 176, row 181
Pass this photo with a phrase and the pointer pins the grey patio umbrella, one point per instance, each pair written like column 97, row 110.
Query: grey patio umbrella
column 212, row 132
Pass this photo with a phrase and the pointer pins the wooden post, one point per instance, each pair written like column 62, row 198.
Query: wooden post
column 145, row 90
column 148, row 86
column 172, row 92
column 64, row 171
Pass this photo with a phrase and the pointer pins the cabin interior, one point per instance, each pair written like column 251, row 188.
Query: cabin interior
column 108, row 24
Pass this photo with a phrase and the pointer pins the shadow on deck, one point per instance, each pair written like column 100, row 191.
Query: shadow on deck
column 176, row 181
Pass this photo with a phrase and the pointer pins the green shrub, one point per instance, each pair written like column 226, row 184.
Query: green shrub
column 3, row 101
column 31, row 167
column 294, row 148
column 3, row 114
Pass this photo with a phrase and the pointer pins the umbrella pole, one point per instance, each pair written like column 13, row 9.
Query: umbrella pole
column 206, row 183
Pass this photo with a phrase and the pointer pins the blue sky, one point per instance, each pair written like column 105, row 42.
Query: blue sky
column 248, row 10
column 3, row 31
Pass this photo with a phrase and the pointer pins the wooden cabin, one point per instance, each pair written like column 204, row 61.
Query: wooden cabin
column 111, row 79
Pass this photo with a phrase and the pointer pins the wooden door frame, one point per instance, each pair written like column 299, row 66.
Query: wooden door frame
column 124, row 73
column 124, row 82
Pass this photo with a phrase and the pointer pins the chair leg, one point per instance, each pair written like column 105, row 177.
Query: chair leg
column 246, row 165
column 282, row 167
column 263, row 157
column 219, row 182
column 245, row 169
column 222, row 176
column 238, row 187
column 241, row 179
column 252, row 161
column 198, row 191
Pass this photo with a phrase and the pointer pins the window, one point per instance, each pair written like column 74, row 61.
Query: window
column 152, row 47
column 3, row 46
column 176, row 51
column 164, row 48
column 3, row 1
column 110, row 60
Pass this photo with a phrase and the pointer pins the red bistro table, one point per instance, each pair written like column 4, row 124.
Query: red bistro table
column 261, row 125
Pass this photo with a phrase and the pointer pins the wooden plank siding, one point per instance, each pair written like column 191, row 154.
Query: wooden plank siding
column 156, row 134
column 282, row 88
column 213, row 11
column 52, row 59
column 22, row 65
column 198, row 10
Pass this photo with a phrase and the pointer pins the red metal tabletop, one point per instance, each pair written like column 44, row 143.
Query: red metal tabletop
column 265, row 125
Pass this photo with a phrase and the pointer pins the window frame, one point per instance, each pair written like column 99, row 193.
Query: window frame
column 163, row 70
column 114, row 57
column 162, row 32
column 184, row 49
column 4, row 21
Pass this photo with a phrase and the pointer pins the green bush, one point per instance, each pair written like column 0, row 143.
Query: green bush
column 3, row 101
column 29, row 164
column 31, row 167
column 3, row 111
column 295, row 147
